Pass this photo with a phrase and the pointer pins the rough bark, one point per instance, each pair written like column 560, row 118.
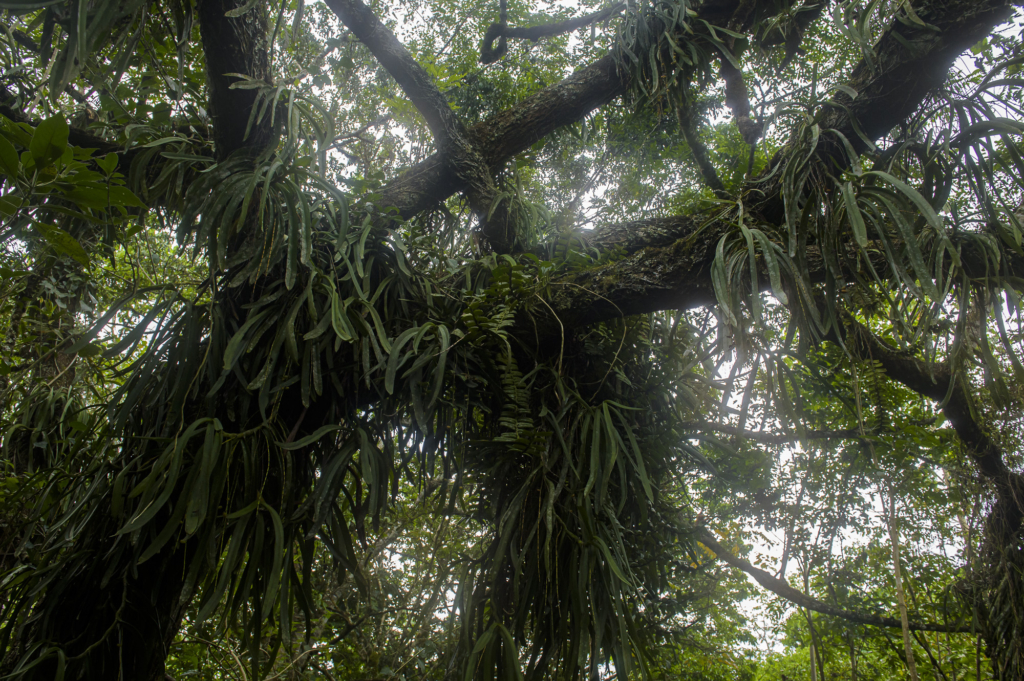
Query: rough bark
column 235, row 45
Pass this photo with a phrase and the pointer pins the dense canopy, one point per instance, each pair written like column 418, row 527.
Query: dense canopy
column 505, row 338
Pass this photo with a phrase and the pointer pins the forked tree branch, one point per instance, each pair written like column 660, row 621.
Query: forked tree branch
column 798, row 598
column 499, row 138
column 461, row 155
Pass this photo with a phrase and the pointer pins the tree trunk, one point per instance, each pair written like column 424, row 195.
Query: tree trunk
column 122, row 630
column 900, row 596
column 810, row 623
column 110, row 617
column 853, row 656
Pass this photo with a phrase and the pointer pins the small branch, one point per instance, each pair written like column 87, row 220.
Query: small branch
column 688, row 127
column 490, row 54
column 774, row 439
column 802, row 600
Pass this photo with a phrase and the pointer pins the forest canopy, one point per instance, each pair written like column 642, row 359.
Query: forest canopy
column 511, row 339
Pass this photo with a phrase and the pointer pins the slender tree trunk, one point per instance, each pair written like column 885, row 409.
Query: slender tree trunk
column 900, row 596
column 810, row 623
column 853, row 655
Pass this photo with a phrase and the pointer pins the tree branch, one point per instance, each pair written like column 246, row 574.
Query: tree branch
column 235, row 45
column 490, row 54
column 932, row 381
column 665, row 273
column 688, row 127
column 738, row 101
column 773, row 438
column 460, row 153
column 784, row 590
column 514, row 130
column 414, row 80
column 910, row 60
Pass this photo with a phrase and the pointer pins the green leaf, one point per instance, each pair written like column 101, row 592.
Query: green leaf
column 239, row 11
column 199, row 499
column 49, row 141
column 232, row 351
column 9, row 162
column 309, row 439
column 860, row 232
column 25, row 5
column 62, row 242
column 108, row 164
column 395, row 360
column 90, row 350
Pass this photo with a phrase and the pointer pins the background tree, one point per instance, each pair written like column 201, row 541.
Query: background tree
column 312, row 350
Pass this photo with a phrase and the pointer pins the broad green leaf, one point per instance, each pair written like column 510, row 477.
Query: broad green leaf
column 49, row 140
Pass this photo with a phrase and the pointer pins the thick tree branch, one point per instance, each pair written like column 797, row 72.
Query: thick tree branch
column 784, row 590
column 910, row 60
column 510, row 132
column 887, row 94
column 235, row 45
column 662, row 273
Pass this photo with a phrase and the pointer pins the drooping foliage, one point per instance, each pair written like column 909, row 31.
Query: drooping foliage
column 242, row 340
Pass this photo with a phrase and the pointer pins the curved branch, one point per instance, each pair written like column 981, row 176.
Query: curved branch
column 936, row 382
column 784, row 590
column 490, row 54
